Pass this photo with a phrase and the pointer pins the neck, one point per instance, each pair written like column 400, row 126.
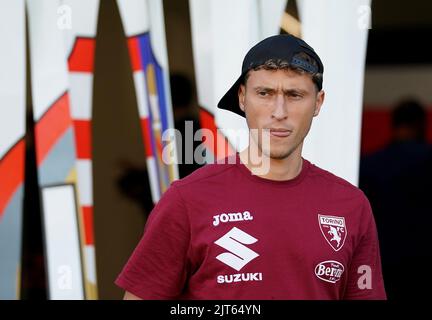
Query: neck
column 279, row 169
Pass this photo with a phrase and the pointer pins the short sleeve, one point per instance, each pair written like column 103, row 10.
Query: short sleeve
column 365, row 280
column 157, row 269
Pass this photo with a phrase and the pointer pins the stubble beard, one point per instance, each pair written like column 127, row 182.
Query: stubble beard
column 263, row 145
column 278, row 153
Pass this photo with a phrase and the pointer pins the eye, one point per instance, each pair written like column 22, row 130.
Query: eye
column 295, row 95
column 262, row 93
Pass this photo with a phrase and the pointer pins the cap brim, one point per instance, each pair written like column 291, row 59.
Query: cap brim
column 230, row 100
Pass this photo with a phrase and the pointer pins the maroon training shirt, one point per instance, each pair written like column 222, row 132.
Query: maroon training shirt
column 223, row 233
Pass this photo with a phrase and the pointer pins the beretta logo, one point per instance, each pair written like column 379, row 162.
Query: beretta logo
column 329, row 271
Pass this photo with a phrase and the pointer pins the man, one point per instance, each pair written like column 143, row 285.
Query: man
column 397, row 180
column 293, row 231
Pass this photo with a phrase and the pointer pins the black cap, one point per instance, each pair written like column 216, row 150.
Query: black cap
column 279, row 47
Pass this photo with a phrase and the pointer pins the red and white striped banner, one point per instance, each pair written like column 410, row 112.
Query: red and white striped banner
column 80, row 49
column 12, row 147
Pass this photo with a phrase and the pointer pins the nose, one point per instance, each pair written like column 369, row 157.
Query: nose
column 280, row 111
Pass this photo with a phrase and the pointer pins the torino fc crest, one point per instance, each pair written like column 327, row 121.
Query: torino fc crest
column 334, row 230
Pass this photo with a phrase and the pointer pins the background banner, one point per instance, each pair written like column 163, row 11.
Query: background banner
column 78, row 22
column 143, row 23
column 12, row 147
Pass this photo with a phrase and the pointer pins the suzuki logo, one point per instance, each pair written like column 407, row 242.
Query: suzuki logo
column 240, row 255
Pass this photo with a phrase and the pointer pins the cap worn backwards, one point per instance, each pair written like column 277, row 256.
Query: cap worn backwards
column 284, row 47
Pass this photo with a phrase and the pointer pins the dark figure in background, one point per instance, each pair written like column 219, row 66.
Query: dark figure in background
column 397, row 180
column 134, row 184
column 186, row 122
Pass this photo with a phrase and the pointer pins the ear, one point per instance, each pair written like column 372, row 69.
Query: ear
column 241, row 96
column 319, row 102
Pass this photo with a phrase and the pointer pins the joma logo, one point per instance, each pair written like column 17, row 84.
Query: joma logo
column 229, row 217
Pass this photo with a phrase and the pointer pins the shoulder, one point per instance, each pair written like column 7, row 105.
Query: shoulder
column 348, row 198
column 201, row 186
column 207, row 173
column 333, row 183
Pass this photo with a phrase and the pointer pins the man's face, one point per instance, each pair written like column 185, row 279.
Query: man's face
column 284, row 102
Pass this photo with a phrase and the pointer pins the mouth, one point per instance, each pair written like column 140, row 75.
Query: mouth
column 280, row 132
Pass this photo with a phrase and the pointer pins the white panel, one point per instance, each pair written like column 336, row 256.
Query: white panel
column 81, row 93
column 85, row 182
column 202, row 35
column 141, row 93
column 83, row 18
column 48, row 59
column 65, row 276
column 134, row 16
column 89, row 252
column 333, row 28
column 12, row 74
column 271, row 13
column 221, row 38
column 235, row 32
column 157, row 34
